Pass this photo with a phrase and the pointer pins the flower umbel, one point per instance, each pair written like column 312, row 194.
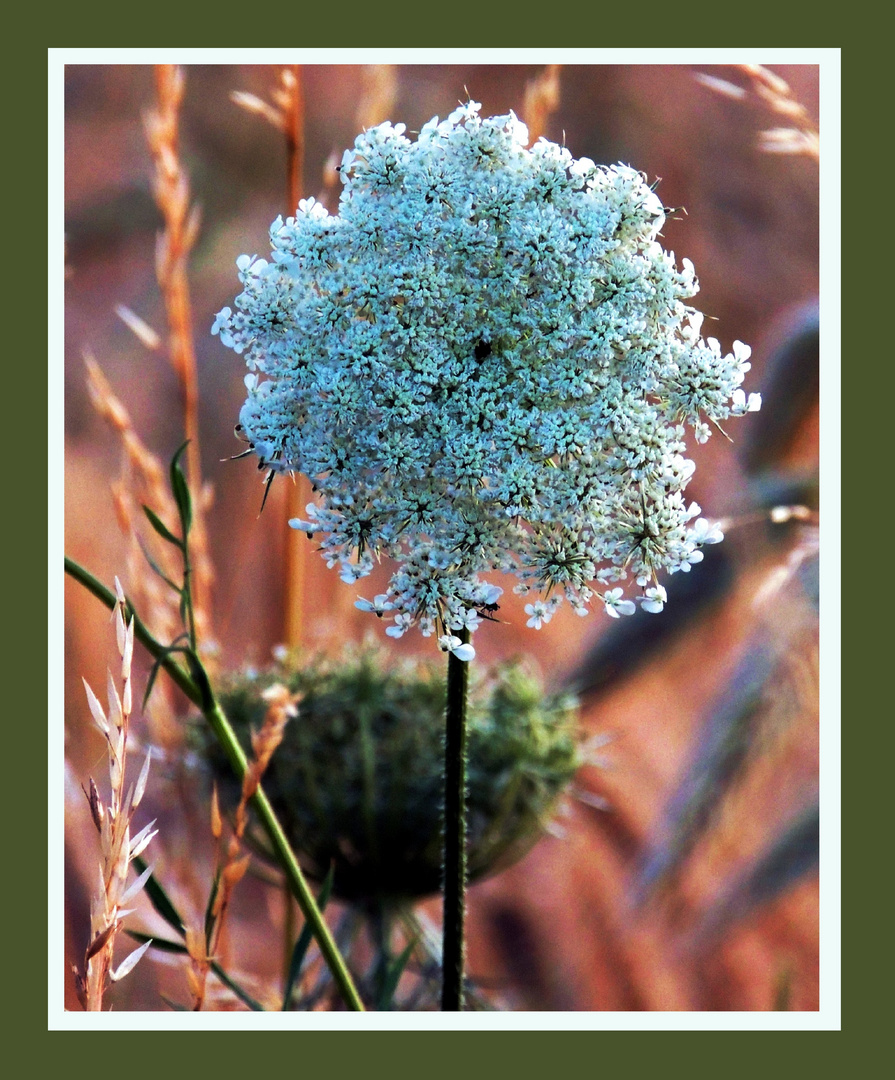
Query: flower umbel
column 484, row 362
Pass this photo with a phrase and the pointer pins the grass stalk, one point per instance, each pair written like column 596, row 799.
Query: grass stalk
column 173, row 247
column 299, row 493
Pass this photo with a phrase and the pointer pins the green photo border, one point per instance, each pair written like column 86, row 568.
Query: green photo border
column 512, row 1052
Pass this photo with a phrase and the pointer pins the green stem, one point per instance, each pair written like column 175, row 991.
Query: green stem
column 155, row 650
column 453, row 944
column 226, row 736
column 188, row 595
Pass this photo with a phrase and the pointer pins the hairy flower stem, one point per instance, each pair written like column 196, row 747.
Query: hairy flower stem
column 204, row 699
column 454, row 832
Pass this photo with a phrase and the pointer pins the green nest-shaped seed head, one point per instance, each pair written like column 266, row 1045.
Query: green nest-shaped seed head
column 357, row 779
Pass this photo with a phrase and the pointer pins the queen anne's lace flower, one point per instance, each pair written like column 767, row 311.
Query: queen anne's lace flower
column 484, row 361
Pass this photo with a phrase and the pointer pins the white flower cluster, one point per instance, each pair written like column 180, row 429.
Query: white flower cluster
column 484, row 361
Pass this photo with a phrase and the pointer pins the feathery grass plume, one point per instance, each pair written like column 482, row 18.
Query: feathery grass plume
column 118, row 848
column 769, row 91
column 286, row 97
column 541, row 100
column 139, row 327
column 196, row 685
column 233, row 862
column 173, row 246
column 142, row 483
column 756, row 719
column 790, row 856
column 287, row 116
column 143, row 476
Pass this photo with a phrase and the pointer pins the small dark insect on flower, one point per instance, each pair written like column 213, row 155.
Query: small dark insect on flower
column 482, row 350
column 239, row 432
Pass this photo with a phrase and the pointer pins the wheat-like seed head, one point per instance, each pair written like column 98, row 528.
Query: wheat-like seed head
column 769, row 91
column 118, row 848
column 173, row 246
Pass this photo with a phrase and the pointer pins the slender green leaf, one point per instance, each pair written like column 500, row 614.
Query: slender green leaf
column 385, row 999
column 164, row 532
column 160, row 899
column 209, row 909
column 243, row 996
column 163, row 944
column 157, row 569
column 304, row 940
column 200, row 678
column 155, row 648
column 174, row 1005
column 150, row 682
column 159, row 663
column 182, row 492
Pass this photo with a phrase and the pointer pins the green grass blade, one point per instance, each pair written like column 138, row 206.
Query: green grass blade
column 162, row 529
column 243, row 996
column 209, row 908
column 156, row 568
column 160, row 899
column 174, row 1005
column 385, row 998
column 182, row 492
column 164, row 945
column 304, row 941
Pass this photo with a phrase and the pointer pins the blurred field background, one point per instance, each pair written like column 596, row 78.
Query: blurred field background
column 685, row 875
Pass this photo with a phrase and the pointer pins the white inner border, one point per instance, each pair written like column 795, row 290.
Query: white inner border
column 829, row 1015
